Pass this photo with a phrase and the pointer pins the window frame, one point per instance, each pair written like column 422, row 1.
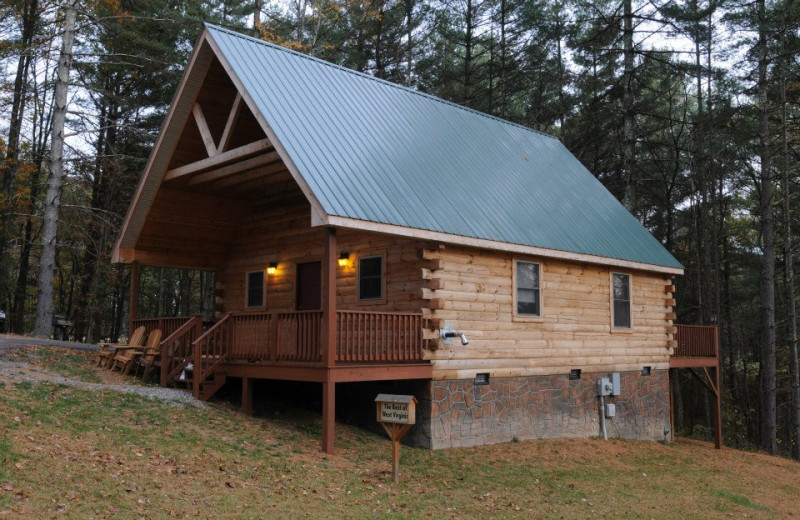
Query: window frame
column 367, row 256
column 263, row 304
column 515, row 289
column 612, row 300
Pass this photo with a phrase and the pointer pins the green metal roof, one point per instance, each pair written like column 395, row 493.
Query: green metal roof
column 379, row 152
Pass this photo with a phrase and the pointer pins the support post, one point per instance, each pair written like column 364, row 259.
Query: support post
column 717, row 410
column 247, row 396
column 329, row 298
column 328, row 416
column 328, row 339
column 718, row 394
column 133, row 307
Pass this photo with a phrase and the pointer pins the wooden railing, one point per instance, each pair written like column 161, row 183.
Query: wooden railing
column 176, row 348
column 696, row 341
column 209, row 351
column 166, row 325
column 389, row 337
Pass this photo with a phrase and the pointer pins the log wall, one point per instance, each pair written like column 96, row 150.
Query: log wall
column 474, row 294
column 283, row 235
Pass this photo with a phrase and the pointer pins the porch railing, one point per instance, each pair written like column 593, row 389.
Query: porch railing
column 176, row 348
column 696, row 341
column 295, row 337
column 365, row 336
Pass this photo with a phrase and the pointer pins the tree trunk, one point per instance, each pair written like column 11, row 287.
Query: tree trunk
column 9, row 167
column 44, row 305
column 789, row 258
column 409, row 41
column 629, row 146
column 768, row 370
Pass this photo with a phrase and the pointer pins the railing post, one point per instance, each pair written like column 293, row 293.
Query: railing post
column 197, row 359
column 133, row 310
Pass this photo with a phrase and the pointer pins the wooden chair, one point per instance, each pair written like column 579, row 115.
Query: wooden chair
column 109, row 350
column 126, row 358
column 151, row 356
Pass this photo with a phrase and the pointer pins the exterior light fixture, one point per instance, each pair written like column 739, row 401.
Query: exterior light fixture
column 344, row 259
column 272, row 267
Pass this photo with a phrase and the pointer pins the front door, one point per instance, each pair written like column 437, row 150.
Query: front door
column 309, row 286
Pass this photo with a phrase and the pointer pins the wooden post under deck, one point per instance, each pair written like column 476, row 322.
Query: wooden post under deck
column 247, row 396
column 328, row 339
column 718, row 394
column 133, row 310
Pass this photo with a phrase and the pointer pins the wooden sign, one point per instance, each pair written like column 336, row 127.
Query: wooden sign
column 397, row 414
column 400, row 409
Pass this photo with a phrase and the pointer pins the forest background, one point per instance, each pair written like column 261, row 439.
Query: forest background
column 687, row 110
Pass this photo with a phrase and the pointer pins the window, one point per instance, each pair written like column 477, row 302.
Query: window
column 621, row 297
column 255, row 289
column 370, row 278
column 528, row 291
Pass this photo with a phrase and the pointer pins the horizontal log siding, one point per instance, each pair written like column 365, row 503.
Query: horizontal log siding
column 283, row 235
column 574, row 331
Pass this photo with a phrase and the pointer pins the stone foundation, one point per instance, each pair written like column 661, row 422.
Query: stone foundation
column 459, row 413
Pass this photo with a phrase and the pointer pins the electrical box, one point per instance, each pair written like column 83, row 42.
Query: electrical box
column 615, row 385
column 611, row 410
column 604, row 386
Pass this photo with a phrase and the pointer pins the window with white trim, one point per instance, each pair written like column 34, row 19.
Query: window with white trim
column 528, row 291
column 621, row 300
column 255, row 289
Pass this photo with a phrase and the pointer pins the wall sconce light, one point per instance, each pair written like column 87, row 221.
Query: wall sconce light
column 272, row 267
column 344, row 259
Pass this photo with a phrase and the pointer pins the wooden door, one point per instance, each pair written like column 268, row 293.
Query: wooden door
column 309, row 286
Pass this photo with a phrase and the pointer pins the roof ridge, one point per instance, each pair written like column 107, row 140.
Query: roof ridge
column 376, row 79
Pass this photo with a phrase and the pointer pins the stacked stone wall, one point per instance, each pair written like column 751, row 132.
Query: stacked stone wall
column 464, row 414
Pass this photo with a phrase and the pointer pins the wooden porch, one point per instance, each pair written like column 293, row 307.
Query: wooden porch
column 697, row 347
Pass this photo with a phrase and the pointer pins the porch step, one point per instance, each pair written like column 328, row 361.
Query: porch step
column 210, row 386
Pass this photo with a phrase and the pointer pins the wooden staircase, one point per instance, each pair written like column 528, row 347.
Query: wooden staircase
column 192, row 358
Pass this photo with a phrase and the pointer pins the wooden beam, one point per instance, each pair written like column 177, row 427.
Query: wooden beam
column 205, row 133
column 328, row 336
column 328, row 416
column 236, row 154
column 233, row 117
column 232, row 169
column 133, row 311
column 131, row 255
column 251, row 176
column 247, row 396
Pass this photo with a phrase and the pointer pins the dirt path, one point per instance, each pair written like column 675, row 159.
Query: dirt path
column 21, row 371
column 11, row 341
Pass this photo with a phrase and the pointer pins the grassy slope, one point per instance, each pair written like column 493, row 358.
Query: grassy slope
column 76, row 454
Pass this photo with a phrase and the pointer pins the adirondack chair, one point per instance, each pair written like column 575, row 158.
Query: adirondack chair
column 109, row 350
column 152, row 353
column 126, row 358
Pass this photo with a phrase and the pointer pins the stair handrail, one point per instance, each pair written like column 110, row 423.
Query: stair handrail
column 192, row 325
column 202, row 370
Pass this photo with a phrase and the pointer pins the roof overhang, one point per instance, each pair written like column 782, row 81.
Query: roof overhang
column 447, row 238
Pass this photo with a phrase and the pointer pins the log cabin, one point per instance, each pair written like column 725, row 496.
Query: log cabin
column 367, row 236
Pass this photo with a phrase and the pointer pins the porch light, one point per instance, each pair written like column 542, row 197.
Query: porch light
column 344, row 259
column 272, row 267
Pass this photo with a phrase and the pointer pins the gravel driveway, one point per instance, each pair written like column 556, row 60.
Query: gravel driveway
column 15, row 371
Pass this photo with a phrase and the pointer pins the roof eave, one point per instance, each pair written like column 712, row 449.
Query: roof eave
column 481, row 243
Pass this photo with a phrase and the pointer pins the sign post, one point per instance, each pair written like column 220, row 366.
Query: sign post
column 397, row 414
